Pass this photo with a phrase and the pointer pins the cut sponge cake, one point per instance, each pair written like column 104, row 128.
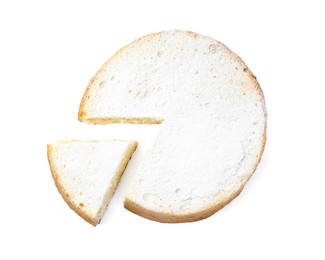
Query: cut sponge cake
column 87, row 173
column 213, row 117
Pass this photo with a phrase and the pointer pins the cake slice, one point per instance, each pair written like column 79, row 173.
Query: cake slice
column 86, row 173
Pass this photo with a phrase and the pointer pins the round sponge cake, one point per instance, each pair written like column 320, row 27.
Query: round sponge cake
column 213, row 117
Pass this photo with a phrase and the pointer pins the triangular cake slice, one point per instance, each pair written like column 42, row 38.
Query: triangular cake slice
column 86, row 173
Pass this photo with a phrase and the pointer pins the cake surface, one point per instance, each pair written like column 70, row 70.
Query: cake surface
column 213, row 117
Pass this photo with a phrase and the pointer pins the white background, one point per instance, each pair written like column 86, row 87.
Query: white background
column 48, row 53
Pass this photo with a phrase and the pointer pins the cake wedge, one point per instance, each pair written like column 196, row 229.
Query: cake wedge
column 86, row 173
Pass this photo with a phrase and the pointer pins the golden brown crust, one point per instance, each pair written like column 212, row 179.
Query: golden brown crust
column 174, row 218
column 64, row 193
column 121, row 120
